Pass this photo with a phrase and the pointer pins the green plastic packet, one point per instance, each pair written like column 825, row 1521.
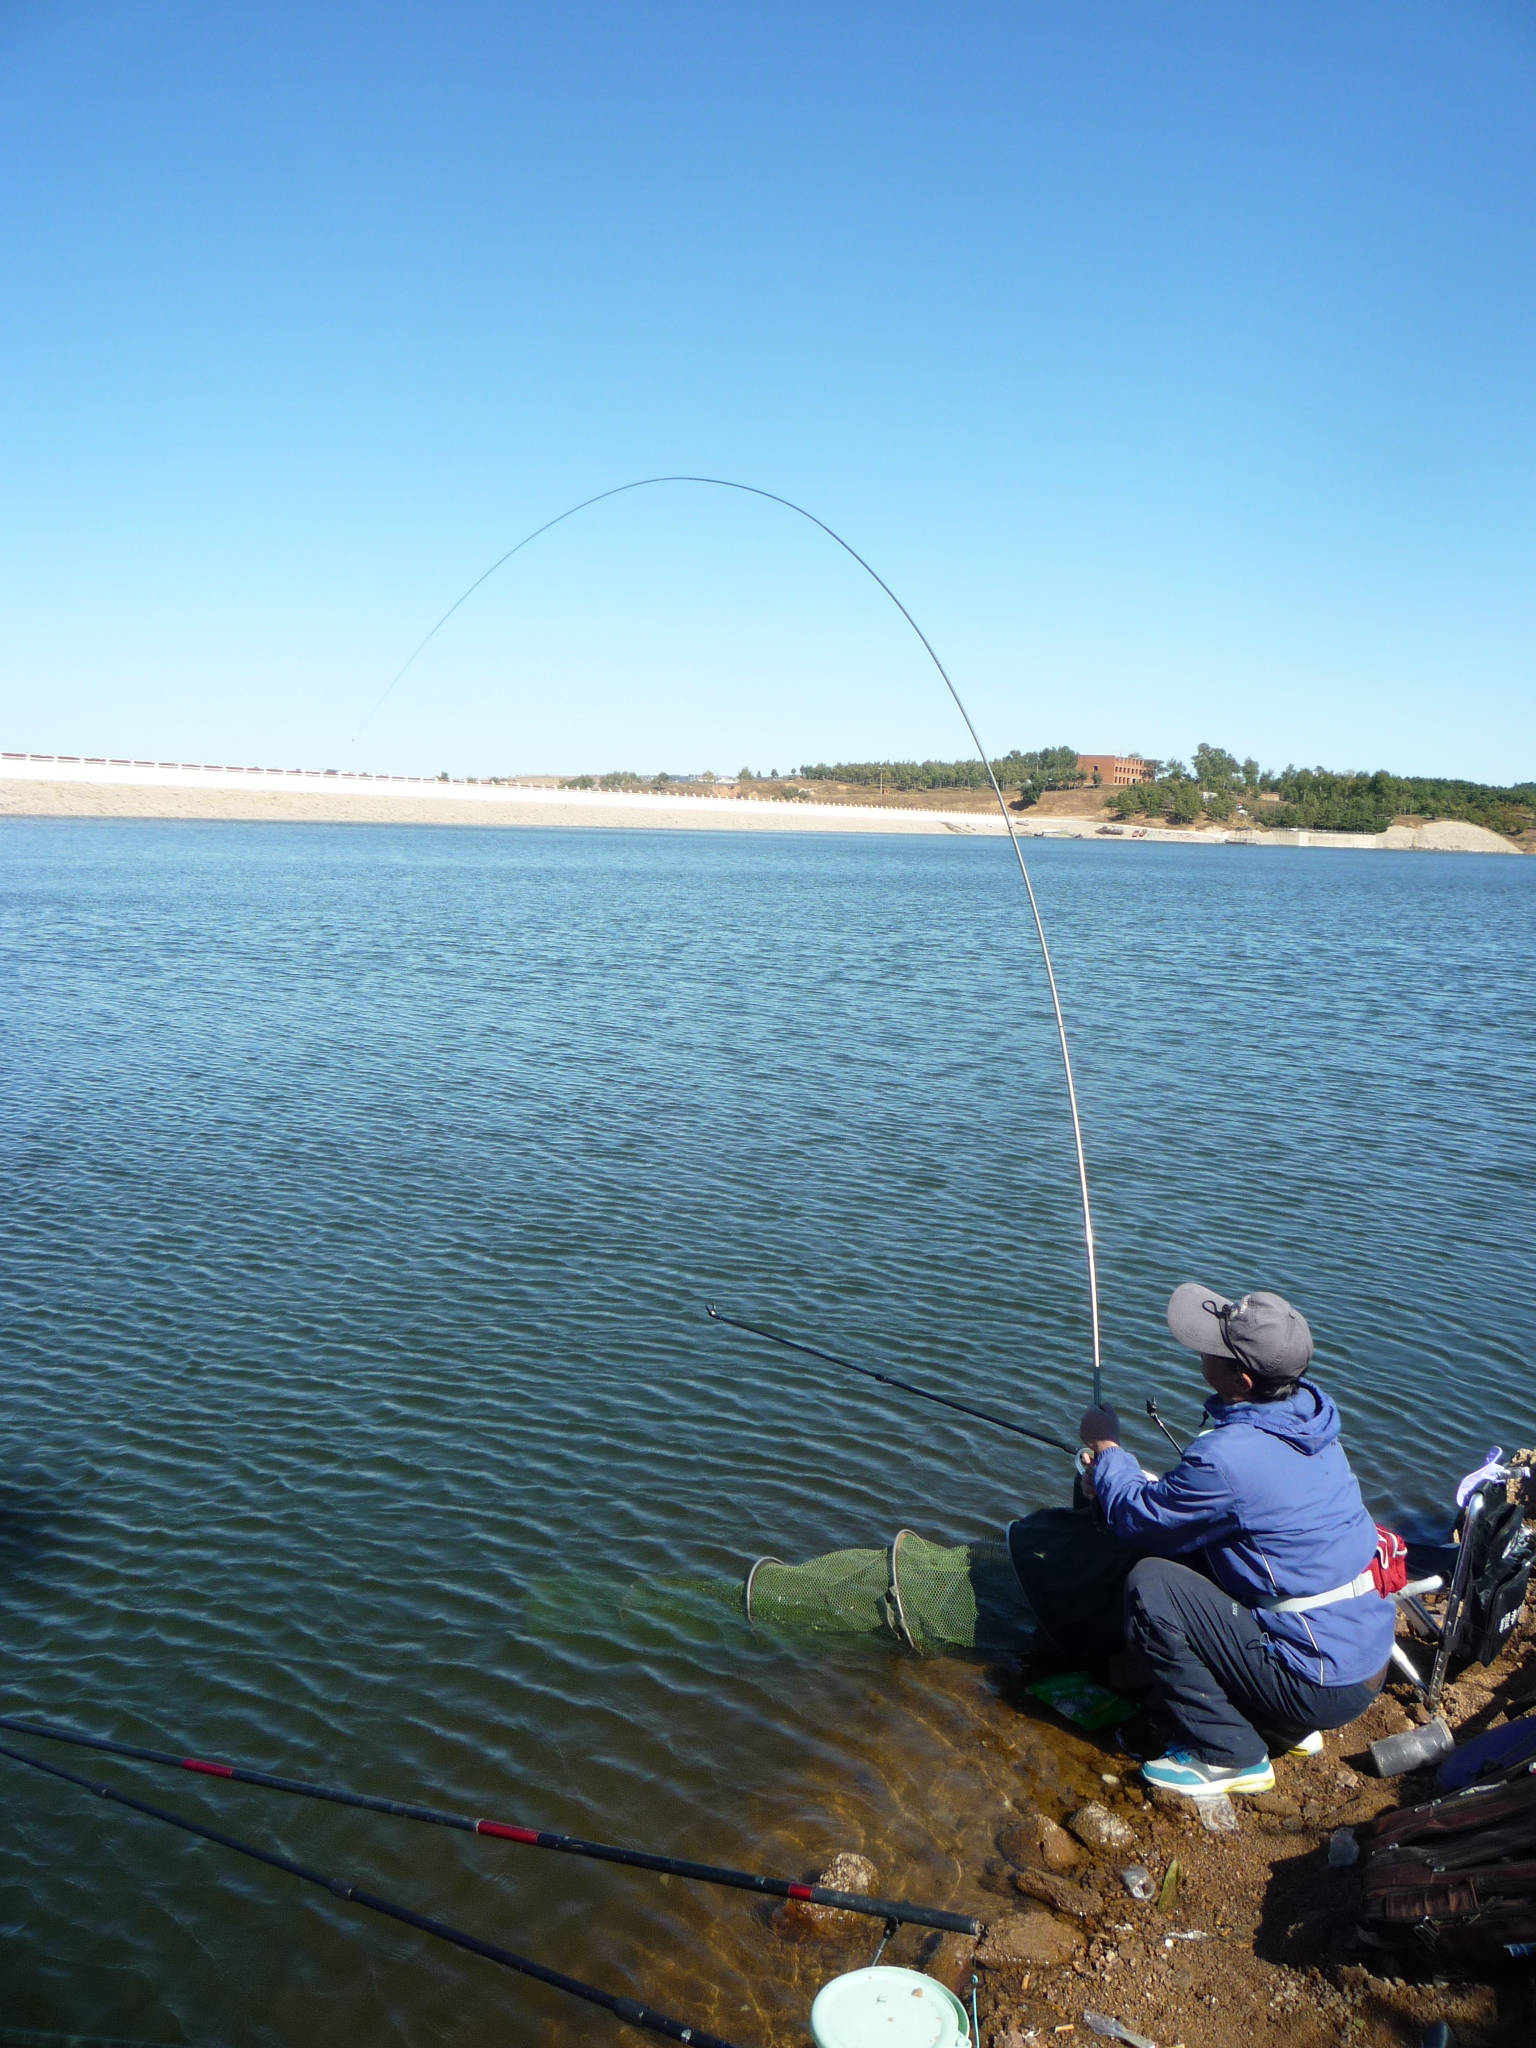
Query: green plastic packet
column 1081, row 1700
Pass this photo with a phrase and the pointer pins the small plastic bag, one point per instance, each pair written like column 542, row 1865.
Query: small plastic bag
column 1082, row 1700
column 1110, row 2029
column 1218, row 1816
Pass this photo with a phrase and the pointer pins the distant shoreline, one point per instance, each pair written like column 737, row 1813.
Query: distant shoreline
column 276, row 802
column 43, row 787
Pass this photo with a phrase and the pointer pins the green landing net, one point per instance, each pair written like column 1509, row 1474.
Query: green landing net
column 930, row 1596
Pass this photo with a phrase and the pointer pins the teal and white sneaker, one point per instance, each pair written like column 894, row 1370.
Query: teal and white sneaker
column 1309, row 1745
column 1181, row 1770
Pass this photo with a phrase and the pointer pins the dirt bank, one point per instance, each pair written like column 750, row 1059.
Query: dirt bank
column 1258, row 1938
column 1449, row 835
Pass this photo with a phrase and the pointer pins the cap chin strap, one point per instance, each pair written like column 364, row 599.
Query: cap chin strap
column 1224, row 1315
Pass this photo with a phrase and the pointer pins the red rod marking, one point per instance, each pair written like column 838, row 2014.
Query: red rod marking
column 922, row 1916
column 508, row 1834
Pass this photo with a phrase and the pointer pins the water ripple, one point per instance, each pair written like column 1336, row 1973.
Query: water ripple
column 363, row 1192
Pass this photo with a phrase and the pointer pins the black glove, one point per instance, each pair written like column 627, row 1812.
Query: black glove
column 1100, row 1425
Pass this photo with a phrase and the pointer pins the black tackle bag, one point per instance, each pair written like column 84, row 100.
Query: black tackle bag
column 1455, row 1880
column 1498, row 1576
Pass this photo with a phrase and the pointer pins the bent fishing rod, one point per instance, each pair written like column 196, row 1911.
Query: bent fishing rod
column 773, row 498
column 629, row 2010
column 898, row 1910
column 1036, row 1436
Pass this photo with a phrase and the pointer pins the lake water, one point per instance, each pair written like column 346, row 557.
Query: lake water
column 363, row 1188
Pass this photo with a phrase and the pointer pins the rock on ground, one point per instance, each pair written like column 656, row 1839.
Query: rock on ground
column 1038, row 1843
column 1059, row 1893
column 1105, row 1833
column 1033, row 1936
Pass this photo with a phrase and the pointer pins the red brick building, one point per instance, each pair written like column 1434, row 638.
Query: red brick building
column 1114, row 771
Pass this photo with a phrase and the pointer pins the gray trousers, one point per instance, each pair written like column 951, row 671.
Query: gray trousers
column 1212, row 1672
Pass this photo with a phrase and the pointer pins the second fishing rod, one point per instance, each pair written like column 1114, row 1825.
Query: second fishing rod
column 900, row 1911
column 886, row 1379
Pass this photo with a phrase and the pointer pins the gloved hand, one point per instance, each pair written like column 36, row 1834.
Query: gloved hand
column 1099, row 1427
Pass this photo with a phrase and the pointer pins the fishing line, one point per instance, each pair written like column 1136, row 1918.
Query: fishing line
column 899, row 1910
column 773, row 497
column 1036, row 1436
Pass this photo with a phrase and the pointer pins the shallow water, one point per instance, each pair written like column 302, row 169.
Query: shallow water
column 363, row 1190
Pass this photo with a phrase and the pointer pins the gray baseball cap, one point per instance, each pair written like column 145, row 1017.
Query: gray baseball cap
column 1262, row 1333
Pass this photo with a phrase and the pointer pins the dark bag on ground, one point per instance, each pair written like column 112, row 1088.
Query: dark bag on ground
column 1490, row 1755
column 1455, row 1879
column 1073, row 1572
column 1498, row 1577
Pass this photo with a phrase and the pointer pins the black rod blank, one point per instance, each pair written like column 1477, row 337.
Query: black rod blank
column 534, row 1838
column 629, row 2010
column 886, row 1379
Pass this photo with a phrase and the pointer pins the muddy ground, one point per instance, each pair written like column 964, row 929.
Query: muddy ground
column 1254, row 1937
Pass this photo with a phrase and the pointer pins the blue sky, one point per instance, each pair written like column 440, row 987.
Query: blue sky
column 1173, row 362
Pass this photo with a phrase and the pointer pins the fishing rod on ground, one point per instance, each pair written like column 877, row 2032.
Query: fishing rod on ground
column 629, row 2010
column 899, row 1911
column 886, row 1379
column 773, row 498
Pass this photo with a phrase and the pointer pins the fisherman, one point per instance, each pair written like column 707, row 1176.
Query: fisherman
column 1282, row 1630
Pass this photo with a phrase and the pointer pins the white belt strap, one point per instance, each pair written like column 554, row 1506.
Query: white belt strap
column 1305, row 1602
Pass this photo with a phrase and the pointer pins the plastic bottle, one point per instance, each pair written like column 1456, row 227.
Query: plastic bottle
column 1395, row 1754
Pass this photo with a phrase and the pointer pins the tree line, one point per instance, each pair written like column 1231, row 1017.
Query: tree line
column 1028, row 774
column 1215, row 784
column 1031, row 773
column 631, row 779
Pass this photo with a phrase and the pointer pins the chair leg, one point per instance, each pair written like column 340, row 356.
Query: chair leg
column 1456, row 1600
column 1407, row 1667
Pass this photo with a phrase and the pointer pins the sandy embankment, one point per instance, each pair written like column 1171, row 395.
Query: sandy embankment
column 452, row 804
column 1447, row 835
column 40, row 786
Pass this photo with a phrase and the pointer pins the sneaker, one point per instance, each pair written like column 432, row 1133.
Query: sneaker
column 1309, row 1745
column 1181, row 1770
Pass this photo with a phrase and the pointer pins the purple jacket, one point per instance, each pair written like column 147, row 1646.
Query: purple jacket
column 1265, row 1490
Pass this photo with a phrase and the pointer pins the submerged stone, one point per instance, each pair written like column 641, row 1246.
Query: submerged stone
column 1036, row 1842
column 802, row 1921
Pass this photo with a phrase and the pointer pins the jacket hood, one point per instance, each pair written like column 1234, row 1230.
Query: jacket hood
column 1308, row 1421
